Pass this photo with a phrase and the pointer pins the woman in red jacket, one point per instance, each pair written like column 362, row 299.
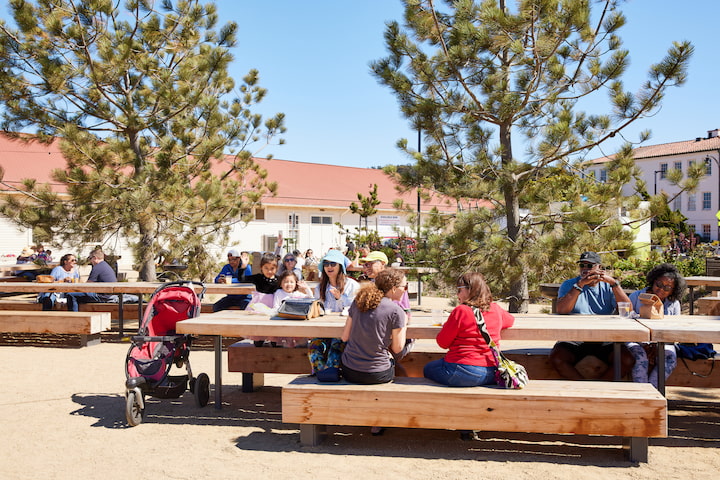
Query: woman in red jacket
column 469, row 361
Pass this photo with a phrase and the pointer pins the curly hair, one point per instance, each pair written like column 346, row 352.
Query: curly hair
column 371, row 293
column 479, row 294
column 670, row 271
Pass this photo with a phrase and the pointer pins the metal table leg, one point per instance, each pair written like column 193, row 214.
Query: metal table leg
column 121, row 321
column 617, row 359
column 218, row 372
column 661, row 367
column 692, row 299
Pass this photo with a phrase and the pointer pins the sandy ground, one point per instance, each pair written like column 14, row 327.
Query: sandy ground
column 62, row 416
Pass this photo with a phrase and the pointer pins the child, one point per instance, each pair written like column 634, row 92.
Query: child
column 266, row 284
column 290, row 287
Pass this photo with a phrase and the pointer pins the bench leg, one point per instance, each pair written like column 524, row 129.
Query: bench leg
column 636, row 449
column 252, row 380
column 312, row 435
column 89, row 340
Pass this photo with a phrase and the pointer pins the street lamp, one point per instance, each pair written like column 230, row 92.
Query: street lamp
column 717, row 162
column 655, row 177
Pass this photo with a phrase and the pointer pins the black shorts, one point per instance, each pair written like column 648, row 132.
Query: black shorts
column 601, row 350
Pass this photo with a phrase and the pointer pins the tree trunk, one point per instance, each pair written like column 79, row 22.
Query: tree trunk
column 519, row 288
column 146, row 252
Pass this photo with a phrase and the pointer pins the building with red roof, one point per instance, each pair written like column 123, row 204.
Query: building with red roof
column 310, row 200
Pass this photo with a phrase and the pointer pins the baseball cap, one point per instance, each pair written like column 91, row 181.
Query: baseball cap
column 374, row 256
column 590, row 257
column 233, row 252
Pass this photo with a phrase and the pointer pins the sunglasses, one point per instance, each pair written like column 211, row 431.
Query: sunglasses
column 586, row 265
column 460, row 287
column 331, row 264
column 290, row 260
column 667, row 288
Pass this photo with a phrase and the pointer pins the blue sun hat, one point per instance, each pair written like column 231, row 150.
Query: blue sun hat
column 333, row 256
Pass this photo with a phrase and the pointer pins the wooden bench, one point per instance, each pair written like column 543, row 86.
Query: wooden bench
column 88, row 325
column 254, row 363
column 633, row 411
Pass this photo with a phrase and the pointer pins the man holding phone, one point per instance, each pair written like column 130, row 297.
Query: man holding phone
column 593, row 292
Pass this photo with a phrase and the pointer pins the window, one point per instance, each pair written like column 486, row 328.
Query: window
column 259, row 214
column 706, row 232
column 708, row 166
column 691, row 202
column 677, row 203
column 707, row 200
column 663, row 170
column 321, row 220
column 678, row 166
column 603, row 175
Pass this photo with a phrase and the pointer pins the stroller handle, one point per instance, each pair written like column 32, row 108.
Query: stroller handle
column 176, row 283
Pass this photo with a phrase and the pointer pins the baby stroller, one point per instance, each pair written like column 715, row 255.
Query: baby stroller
column 156, row 348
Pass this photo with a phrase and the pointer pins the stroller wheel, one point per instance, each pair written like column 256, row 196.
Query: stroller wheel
column 133, row 413
column 202, row 390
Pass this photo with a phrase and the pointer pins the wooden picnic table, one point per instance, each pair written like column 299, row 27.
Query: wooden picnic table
column 234, row 323
column 119, row 288
column 681, row 329
column 692, row 282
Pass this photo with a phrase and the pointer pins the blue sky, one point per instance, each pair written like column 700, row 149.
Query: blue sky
column 313, row 58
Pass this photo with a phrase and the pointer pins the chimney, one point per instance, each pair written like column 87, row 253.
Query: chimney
column 712, row 133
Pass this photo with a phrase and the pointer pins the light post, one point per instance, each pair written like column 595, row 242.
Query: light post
column 655, row 178
column 717, row 163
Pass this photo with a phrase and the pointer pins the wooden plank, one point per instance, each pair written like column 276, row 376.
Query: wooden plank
column 544, row 406
column 82, row 323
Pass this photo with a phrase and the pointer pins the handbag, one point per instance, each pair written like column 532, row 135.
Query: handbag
column 651, row 306
column 696, row 351
column 509, row 374
column 301, row 308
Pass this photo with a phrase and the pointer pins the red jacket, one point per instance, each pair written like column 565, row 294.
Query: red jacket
column 461, row 336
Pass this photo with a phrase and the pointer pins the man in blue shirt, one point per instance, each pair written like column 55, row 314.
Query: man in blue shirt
column 237, row 267
column 101, row 272
column 593, row 292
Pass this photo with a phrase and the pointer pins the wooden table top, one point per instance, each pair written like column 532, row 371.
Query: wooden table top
column 137, row 288
column 703, row 281
column 234, row 323
column 684, row 329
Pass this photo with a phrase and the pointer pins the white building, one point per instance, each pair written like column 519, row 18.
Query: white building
column 311, row 200
column 701, row 206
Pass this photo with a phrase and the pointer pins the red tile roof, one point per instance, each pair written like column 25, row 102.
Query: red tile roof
column 299, row 184
column 674, row 148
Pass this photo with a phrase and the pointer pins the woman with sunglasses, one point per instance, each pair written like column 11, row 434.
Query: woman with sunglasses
column 668, row 284
column 65, row 272
column 290, row 263
column 336, row 290
column 469, row 361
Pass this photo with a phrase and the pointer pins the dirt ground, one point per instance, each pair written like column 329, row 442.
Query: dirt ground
column 62, row 415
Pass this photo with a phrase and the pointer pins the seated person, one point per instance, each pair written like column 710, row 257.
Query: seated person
column 65, row 272
column 266, row 284
column 667, row 283
column 290, row 263
column 26, row 256
column 593, row 292
column 237, row 267
column 101, row 272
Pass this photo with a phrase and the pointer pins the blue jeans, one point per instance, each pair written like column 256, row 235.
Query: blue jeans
column 76, row 298
column 459, row 375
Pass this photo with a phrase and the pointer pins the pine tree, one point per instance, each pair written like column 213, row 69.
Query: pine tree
column 481, row 80
column 155, row 132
